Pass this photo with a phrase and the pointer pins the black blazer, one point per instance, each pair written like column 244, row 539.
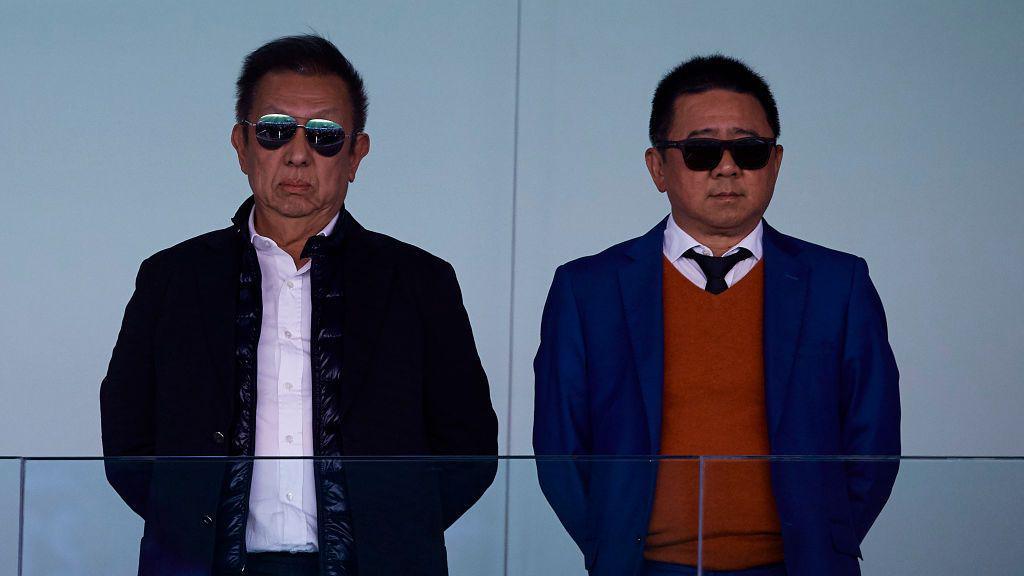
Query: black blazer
column 411, row 384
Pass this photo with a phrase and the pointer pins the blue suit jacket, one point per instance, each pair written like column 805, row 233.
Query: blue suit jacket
column 831, row 388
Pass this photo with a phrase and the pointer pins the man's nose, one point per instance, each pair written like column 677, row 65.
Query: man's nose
column 726, row 166
column 297, row 151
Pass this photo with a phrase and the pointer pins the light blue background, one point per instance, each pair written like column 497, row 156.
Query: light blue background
column 509, row 138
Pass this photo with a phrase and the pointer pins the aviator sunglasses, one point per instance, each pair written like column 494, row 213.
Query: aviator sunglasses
column 275, row 130
column 701, row 154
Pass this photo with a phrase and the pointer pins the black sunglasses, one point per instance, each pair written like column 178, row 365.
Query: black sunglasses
column 275, row 130
column 700, row 154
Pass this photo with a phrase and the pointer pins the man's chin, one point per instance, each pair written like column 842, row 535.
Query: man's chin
column 733, row 226
column 295, row 207
column 296, row 214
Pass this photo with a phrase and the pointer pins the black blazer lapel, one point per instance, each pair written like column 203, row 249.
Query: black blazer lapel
column 367, row 278
column 785, row 291
column 216, row 274
column 640, row 282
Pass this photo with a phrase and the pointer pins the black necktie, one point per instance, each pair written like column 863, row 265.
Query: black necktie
column 716, row 267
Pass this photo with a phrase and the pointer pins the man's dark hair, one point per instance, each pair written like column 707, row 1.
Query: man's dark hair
column 308, row 54
column 705, row 73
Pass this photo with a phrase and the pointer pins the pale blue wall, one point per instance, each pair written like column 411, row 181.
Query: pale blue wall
column 902, row 125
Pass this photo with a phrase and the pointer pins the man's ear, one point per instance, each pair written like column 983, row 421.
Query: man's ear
column 360, row 148
column 239, row 144
column 656, row 166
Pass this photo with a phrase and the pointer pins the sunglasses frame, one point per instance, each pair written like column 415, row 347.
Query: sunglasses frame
column 722, row 145
column 322, row 149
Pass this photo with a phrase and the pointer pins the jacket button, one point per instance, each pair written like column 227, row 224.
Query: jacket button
column 207, row 520
column 218, row 437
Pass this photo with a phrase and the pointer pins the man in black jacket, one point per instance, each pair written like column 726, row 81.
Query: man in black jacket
column 295, row 332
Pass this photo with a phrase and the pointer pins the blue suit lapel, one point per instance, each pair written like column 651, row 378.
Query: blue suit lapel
column 640, row 281
column 785, row 291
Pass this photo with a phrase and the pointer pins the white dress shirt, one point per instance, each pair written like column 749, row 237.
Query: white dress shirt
column 676, row 242
column 282, row 499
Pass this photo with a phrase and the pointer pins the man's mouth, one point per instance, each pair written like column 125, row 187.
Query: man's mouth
column 295, row 185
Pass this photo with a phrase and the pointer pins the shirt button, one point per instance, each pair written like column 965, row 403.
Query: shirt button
column 289, row 496
column 291, row 284
column 207, row 520
column 287, row 385
column 288, row 438
column 287, row 333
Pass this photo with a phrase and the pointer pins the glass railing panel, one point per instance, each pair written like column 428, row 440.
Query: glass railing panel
column 76, row 523
column 537, row 541
column 476, row 542
column 951, row 516
column 552, row 515
column 739, row 523
column 10, row 498
column 942, row 516
column 405, row 491
column 570, row 514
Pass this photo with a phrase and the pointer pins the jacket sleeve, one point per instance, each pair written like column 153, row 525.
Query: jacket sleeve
column 459, row 416
column 870, row 403
column 127, row 394
column 561, row 426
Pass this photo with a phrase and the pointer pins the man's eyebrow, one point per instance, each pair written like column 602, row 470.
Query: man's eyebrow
column 745, row 131
column 701, row 132
column 326, row 111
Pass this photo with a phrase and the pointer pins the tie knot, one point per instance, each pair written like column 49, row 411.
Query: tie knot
column 716, row 267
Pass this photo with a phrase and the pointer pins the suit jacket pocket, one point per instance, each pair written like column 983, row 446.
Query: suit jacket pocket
column 844, row 539
column 590, row 555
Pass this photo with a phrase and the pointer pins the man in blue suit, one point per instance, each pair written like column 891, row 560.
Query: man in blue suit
column 713, row 334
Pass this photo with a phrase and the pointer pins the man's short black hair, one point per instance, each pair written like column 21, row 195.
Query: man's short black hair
column 705, row 73
column 304, row 54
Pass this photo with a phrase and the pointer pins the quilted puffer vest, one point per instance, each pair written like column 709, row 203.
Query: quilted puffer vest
column 334, row 528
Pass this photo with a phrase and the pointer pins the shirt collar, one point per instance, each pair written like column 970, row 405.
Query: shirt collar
column 261, row 242
column 677, row 241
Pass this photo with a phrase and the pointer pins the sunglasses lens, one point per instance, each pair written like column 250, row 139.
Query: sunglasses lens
column 275, row 130
column 324, row 136
column 751, row 153
column 700, row 155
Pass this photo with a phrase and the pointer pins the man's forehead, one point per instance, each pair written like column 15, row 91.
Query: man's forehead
column 720, row 112
column 290, row 108
column 722, row 130
column 320, row 93
column 290, row 85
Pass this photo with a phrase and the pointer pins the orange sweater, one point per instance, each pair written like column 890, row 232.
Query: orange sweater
column 714, row 404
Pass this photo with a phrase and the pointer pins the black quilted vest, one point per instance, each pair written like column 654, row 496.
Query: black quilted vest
column 334, row 527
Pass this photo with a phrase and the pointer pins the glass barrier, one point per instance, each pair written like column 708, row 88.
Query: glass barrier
column 942, row 516
column 10, row 514
column 529, row 516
